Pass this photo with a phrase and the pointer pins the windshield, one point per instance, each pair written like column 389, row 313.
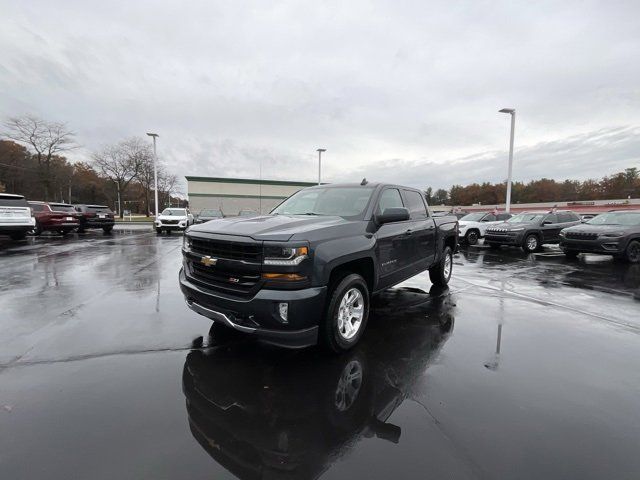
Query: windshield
column 62, row 208
column 338, row 201
column 210, row 213
column 473, row 217
column 526, row 218
column 174, row 211
column 628, row 219
column 98, row 209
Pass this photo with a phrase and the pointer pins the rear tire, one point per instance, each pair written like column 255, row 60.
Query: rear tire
column 440, row 274
column 159, row 231
column 571, row 254
column 531, row 243
column 38, row 229
column 346, row 315
column 107, row 229
column 18, row 235
column 472, row 237
column 632, row 253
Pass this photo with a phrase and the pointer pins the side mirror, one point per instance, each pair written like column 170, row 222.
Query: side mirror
column 394, row 214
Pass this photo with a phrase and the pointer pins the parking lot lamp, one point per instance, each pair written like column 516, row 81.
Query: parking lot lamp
column 320, row 150
column 512, row 112
column 155, row 170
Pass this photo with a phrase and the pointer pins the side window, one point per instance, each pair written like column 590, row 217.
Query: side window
column 489, row 218
column 37, row 208
column 504, row 216
column 415, row 204
column 552, row 218
column 565, row 217
column 390, row 198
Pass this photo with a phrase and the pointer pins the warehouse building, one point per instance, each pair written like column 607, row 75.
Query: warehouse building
column 234, row 194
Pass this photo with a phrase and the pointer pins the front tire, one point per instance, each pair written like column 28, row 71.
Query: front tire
column 107, row 229
column 440, row 274
column 531, row 243
column 472, row 237
column 347, row 314
column 632, row 253
column 159, row 231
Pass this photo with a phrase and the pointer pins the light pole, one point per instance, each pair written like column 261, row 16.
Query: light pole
column 512, row 112
column 155, row 171
column 320, row 150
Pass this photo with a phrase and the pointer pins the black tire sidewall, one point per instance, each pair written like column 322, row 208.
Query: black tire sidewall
column 436, row 273
column 627, row 252
column 470, row 235
column 329, row 329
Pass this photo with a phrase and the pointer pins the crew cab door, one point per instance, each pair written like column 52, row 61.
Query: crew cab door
column 393, row 244
column 422, row 231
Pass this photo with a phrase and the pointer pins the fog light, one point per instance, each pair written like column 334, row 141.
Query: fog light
column 283, row 309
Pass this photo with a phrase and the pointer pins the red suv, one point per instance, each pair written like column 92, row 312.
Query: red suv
column 55, row 217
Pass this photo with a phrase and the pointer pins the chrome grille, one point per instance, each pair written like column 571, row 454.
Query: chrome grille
column 581, row 235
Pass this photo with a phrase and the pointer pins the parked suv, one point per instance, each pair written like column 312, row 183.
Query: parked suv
column 614, row 233
column 530, row 230
column 173, row 219
column 55, row 217
column 473, row 226
column 15, row 216
column 306, row 272
column 95, row 216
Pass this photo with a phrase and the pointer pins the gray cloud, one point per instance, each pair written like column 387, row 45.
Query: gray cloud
column 230, row 85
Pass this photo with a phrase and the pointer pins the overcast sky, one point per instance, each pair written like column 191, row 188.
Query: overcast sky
column 403, row 91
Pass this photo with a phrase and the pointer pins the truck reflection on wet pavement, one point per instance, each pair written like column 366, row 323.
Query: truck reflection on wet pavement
column 288, row 415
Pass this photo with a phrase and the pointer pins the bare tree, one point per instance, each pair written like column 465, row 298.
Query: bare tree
column 122, row 163
column 46, row 139
column 167, row 183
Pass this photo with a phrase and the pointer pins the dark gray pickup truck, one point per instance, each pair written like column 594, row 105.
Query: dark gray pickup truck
column 306, row 272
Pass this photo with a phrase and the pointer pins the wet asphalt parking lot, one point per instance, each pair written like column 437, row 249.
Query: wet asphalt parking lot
column 527, row 367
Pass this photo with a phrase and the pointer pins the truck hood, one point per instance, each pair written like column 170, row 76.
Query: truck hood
column 276, row 228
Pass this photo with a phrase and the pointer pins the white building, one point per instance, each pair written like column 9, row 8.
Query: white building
column 234, row 194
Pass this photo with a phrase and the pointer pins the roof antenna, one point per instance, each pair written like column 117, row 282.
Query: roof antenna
column 364, row 181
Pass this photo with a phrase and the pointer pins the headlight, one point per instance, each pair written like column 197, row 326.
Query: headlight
column 275, row 255
column 186, row 243
column 612, row 234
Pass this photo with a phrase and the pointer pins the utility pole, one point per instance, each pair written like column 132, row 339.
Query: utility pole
column 155, row 171
column 512, row 112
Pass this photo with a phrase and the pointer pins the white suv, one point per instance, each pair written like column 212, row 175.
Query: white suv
column 16, row 218
column 474, row 225
column 173, row 219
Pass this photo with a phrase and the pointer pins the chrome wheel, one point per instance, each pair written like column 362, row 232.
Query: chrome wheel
column 448, row 263
column 348, row 386
column 532, row 243
column 472, row 238
column 350, row 313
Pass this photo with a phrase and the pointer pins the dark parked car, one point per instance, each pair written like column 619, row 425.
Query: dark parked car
column 613, row 233
column 55, row 217
column 306, row 272
column 530, row 230
column 95, row 216
column 208, row 214
column 282, row 417
column 15, row 216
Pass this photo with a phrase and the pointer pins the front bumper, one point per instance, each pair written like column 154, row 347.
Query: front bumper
column 258, row 316
column 23, row 226
column 172, row 226
column 514, row 239
column 603, row 245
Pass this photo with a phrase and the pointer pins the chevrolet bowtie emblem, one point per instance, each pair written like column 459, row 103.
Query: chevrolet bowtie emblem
column 208, row 261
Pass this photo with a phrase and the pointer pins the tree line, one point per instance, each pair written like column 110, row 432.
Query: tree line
column 619, row 185
column 32, row 163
